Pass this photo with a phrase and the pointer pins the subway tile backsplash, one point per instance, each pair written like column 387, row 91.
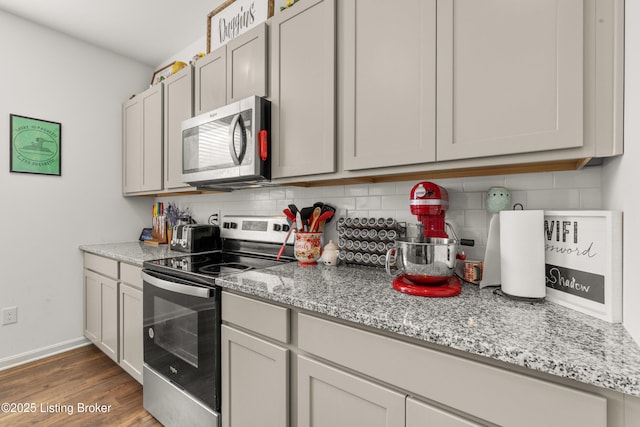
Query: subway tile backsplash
column 553, row 190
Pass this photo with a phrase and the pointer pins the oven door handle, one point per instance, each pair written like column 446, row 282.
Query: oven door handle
column 179, row 288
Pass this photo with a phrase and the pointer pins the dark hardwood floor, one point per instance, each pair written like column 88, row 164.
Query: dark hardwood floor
column 81, row 387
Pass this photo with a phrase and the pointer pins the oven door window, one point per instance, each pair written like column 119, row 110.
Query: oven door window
column 176, row 330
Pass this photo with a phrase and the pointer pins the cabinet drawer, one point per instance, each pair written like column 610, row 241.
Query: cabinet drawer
column 487, row 392
column 420, row 414
column 102, row 265
column 131, row 274
column 260, row 317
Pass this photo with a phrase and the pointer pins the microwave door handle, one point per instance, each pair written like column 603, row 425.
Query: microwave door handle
column 237, row 121
column 179, row 288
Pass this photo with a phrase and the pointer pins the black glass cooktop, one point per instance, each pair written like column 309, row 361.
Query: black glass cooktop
column 212, row 264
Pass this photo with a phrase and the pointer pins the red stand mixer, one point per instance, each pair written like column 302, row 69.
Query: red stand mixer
column 429, row 202
column 425, row 264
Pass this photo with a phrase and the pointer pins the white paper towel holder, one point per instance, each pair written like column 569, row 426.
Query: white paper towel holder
column 527, row 261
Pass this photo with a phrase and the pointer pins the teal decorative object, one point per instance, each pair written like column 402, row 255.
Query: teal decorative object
column 498, row 199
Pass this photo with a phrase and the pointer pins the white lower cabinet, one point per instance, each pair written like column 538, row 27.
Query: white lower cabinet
column 255, row 363
column 254, row 381
column 329, row 397
column 482, row 391
column 113, row 311
column 101, row 304
column 282, row 366
column 130, row 305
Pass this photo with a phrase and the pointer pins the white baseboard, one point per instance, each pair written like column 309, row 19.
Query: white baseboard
column 30, row 356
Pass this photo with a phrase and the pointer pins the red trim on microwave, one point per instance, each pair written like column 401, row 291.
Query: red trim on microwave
column 262, row 139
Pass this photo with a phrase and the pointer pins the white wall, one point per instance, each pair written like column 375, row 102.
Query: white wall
column 620, row 175
column 187, row 54
column 50, row 76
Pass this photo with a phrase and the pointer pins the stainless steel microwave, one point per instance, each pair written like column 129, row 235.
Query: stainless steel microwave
column 228, row 147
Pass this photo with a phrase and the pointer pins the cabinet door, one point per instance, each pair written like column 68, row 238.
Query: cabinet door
column 92, row 306
column 131, row 146
column 101, row 312
column 211, row 81
column 389, row 87
column 178, row 106
column 109, row 317
column 420, row 414
column 510, row 77
column 142, row 142
column 247, row 64
column 254, row 381
column 131, row 342
column 328, row 397
column 302, row 77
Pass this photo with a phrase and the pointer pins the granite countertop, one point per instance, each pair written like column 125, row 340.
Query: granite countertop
column 544, row 337
column 130, row 252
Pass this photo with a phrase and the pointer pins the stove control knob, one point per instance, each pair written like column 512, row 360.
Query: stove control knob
column 225, row 225
column 233, row 225
column 277, row 227
column 285, row 227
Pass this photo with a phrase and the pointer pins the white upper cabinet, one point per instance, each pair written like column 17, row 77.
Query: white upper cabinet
column 247, row 64
column 142, row 142
column 178, row 106
column 302, row 86
column 388, row 57
column 211, row 81
column 233, row 71
column 376, row 89
column 510, row 77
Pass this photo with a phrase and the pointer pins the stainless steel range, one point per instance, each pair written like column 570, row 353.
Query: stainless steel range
column 181, row 309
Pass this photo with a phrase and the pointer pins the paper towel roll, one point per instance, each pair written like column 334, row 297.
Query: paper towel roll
column 522, row 253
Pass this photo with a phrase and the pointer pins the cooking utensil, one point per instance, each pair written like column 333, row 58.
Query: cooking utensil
column 290, row 215
column 322, row 219
column 313, row 221
column 328, row 208
column 299, row 223
column 306, row 215
column 284, row 244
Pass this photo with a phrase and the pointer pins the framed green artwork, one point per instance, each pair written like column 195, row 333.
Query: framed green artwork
column 35, row 146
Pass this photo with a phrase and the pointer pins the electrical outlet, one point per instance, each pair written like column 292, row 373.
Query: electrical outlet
column 9, row 315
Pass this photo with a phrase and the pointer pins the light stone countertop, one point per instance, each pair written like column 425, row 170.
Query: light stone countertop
column 544, row 337
column 131, row 252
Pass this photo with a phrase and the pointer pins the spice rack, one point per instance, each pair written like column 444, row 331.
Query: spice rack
column 365, row 241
